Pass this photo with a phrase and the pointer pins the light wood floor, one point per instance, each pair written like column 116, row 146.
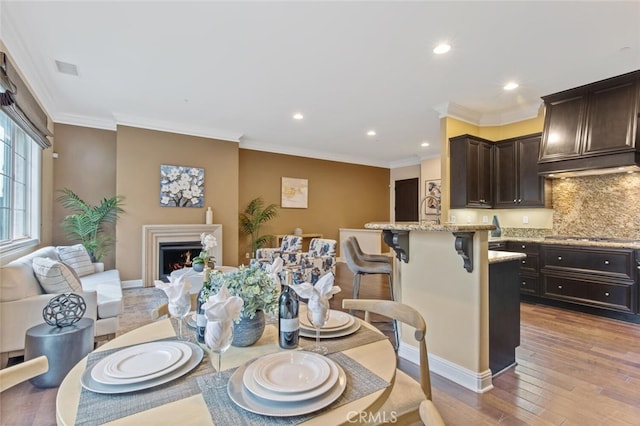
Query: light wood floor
column 573, row 368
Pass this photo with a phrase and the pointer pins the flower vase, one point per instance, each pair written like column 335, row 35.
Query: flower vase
column 248, row 331
column 198, row 267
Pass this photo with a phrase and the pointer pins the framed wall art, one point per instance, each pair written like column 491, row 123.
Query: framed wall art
column 433, row 195
column 181, row 186
column 294, row 193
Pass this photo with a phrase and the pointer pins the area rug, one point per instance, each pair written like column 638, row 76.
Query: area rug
column 138, row 304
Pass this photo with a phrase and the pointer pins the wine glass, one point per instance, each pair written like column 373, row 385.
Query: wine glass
column 180, row 308
column 318, row 316
column 218, row 336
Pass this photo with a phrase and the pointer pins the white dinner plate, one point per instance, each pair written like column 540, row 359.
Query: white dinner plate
column 141, row 360
column 291, row 371
column 146, row 352
column 250, row 383
column 90, row 384
column 330, row 334
column 191, row 321
column 338, row 320
column 245, row 399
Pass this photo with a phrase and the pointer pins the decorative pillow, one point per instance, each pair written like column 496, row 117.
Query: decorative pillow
column 55, row 277
column 77, row 258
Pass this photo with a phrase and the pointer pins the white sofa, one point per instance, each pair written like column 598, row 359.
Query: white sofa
column 22, row 300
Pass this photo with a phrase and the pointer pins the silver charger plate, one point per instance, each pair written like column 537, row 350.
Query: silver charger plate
column 90, row 384
column 245, row 399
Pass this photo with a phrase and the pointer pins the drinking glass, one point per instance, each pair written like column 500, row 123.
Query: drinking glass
column 218, row 336
column 318, row 318
column 180, row 308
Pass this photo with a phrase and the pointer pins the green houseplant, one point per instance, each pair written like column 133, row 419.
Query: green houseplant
column 253, row 217
column 86, row 222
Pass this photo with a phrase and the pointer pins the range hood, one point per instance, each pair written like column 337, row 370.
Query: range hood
column 592, row 129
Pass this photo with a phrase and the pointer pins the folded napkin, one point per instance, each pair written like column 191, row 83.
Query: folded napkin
column 221, row 310
column 318, row 295
column 274, row 269
column 177, row 286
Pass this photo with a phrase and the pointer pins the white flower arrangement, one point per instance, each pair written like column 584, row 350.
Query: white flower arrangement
column 181, row 186
column 209, row 242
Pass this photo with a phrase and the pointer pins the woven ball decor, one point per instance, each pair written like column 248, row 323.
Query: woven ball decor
column 64, row 310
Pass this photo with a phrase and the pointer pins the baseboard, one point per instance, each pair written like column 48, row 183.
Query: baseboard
column 132, row 284
column 477, row 382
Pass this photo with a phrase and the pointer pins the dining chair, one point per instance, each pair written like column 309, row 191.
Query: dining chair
column 26, row 370
column 407, row 394
column 162, row 310
column 369, row 257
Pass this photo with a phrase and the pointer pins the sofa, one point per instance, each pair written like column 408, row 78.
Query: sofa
column 23, row 298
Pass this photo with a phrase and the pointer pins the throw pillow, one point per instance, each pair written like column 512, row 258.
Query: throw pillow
column 76, row 257
column 55, row 277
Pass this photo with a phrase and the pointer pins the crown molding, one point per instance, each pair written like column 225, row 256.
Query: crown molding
column 411, row 161
column 498, row 118
column 85, row 121
column 454, row 110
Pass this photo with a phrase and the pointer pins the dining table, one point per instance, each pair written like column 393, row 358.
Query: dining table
column 366, row 356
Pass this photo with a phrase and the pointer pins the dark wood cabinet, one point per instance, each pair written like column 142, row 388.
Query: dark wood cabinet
column 504, row 315
column 517, row 183
column 590, row 276
column 592, row 126
column 471, row 172
column 529, row 266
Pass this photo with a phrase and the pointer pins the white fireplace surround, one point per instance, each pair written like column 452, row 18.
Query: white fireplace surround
column 153, row 235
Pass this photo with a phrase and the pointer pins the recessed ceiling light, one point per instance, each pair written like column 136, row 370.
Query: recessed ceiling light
column 510, row 85
column 298, row 116
column 371, row 133
column 442, row 48
column 424, row 144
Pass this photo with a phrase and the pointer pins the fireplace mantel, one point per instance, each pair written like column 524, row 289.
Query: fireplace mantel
column 153, row 235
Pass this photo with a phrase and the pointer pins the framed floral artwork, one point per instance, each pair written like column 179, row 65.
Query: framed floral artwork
column 433, row 196
column 294, row 193
column 181, row 186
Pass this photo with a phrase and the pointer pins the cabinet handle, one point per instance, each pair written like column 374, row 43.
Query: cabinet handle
column 524, row 283
column 514, row 201
column 606, row 262
column 524, row 261
column 519, row 201
column 523, row 246
column 559, row 257
column 559, row 287
column 607, row 294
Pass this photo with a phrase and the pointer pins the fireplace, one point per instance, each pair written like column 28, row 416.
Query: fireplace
column 176, row 255
column 154, row 235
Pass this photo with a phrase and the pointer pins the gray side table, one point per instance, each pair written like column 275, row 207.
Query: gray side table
column 63, row 346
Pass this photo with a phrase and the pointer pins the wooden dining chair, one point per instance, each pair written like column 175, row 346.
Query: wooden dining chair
column 19, row 373
column 162, row 310
column 407, row 395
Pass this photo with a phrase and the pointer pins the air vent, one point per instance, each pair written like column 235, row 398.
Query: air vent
column 67, row 68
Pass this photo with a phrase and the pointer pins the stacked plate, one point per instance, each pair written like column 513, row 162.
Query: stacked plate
column 339, row 324
column 288, row 383
column 142, row 366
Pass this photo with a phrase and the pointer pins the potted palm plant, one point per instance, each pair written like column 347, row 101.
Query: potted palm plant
column 253, row 217
column 86, row 222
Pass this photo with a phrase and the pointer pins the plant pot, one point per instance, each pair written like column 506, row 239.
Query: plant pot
column 198, row 267
column 248, row 331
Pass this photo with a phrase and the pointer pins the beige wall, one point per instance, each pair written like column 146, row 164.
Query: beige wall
column 86, row 164
column 341, row 195
column 140, row 153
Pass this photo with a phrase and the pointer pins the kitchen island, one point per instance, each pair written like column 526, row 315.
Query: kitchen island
column 442, row 270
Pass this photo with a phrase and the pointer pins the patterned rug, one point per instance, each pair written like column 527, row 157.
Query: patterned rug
column 138, row 304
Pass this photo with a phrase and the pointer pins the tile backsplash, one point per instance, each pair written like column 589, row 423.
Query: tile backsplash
column 597, row 206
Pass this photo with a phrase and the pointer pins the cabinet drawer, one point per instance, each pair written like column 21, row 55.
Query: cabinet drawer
column 529, row 284
column 619, row 297
column 497, row 245
column 529, row 263
column 612, row 263
column 523, row 247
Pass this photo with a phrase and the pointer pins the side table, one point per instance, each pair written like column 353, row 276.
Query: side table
column 63, row 346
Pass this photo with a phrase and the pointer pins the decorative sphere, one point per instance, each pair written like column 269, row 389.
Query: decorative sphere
column 65, row 309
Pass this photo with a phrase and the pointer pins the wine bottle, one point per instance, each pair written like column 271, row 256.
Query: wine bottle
column 201, row 320
column 288, row 325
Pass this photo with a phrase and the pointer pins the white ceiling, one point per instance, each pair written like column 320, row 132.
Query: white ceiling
column 239, row 70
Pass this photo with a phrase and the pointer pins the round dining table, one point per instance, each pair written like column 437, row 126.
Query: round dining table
column 378, row 357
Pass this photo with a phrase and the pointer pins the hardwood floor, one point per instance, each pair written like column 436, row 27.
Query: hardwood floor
column 573, row 368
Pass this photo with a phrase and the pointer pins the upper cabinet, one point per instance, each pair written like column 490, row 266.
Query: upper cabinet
column 471, row 172
column 592, row 126
column 517, row 183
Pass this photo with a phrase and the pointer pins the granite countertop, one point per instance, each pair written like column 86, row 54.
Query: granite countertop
column 429, row 226
column 496, row 256
column 576, row 242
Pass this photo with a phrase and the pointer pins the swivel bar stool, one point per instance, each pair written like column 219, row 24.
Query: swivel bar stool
column 361, row 267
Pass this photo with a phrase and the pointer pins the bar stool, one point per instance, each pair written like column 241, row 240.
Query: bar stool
column 367, row 256
column 361, row 267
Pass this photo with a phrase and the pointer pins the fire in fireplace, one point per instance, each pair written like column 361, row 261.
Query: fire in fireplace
column 176, row 255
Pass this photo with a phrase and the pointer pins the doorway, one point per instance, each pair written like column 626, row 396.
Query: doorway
column 406, row 200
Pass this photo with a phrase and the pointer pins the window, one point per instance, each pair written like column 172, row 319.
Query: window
column 19, row 186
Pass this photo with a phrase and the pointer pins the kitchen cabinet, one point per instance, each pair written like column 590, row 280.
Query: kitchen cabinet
column 504, row 315
column 517, row 183
column 592, row 126
column 529, row 266
column 471, row 172
column 591, row 276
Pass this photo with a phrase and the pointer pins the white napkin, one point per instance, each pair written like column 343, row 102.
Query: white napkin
column 318, row 296
column 176, row 287
column 274, row 269
column 221, row 310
